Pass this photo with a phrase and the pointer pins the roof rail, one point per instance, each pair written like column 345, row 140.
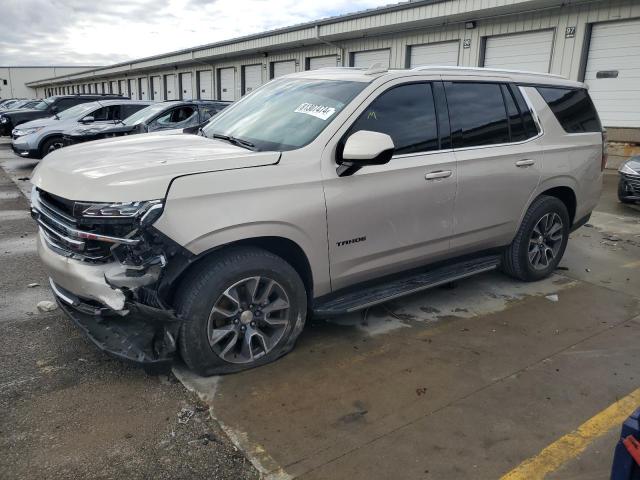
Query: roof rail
column 483, row 69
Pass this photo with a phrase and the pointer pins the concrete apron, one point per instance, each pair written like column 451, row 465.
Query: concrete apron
column 460, row 383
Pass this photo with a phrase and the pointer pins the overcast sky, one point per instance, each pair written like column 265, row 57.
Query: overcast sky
column 98, row 32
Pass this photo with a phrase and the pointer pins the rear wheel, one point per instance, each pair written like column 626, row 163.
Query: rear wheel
column 51, row 144
column 243, row 307
column 540, row 242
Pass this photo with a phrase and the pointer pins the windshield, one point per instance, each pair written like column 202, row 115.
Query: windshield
column 78, row 111
column 41, row 105
column 285, row 114
column 146, row 113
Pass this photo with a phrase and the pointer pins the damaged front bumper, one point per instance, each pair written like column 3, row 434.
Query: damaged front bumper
column 110, row 286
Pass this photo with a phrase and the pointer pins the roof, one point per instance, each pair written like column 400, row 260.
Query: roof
column 368, row 75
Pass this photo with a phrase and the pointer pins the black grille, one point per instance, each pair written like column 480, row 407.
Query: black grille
column 69, row 234
column 633, row 182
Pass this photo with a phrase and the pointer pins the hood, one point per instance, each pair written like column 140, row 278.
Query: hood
column 21, row 111
column 138, row 167
column 39, row 122
column 633, row 163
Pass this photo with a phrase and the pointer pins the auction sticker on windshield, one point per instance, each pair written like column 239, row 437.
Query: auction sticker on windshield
column 318, row 111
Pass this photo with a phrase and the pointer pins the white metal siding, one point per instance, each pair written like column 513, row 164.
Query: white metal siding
column 186, row 90
column 371, row 57
column 252, row 78
column 227, row 84
column 205, row 85
column 615, row 46
column 523, row 51
column 156, row 87
column 444, row 53
column 283, row 68
column 323, row 62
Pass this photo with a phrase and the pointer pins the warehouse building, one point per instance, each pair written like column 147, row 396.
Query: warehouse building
column 597, row 42
column 14, row 80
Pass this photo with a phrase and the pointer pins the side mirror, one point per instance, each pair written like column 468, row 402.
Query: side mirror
column 54, row 110
column 365, row 148
column 88, row 119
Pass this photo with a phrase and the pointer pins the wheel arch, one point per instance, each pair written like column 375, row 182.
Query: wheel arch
column 45, row 139
column 283, row 247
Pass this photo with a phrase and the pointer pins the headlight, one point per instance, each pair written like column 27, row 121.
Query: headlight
column 147, row 212
column 27, row 131
column 627, row 169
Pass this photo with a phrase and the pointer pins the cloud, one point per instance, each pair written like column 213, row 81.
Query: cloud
column 81, row 32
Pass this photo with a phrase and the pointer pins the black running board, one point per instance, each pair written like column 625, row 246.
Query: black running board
column 386, row 290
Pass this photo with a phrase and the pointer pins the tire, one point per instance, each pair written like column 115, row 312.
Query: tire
column 621, row 193
column 49, row 145
column 516, row 260
column 224, row 281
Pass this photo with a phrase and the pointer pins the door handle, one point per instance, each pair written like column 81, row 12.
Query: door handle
column 438, row 174
column 525, row 163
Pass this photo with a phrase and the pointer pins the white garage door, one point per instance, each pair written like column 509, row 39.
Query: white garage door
column 113, row 87
column 143, row 86
column 323, row 62
column 205, row 85
column 170, row 87
column 133, row 88
column 283, row 68
column 367, row 59
column 523, row 51
column 186, row 90
column 442, row 54
column 614, row 56
column 227, row 84
column 156, row 89
column 252, row 78
column 123, row 89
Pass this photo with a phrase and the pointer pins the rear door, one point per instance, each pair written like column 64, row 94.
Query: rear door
column 499, row 161
column 388, row 218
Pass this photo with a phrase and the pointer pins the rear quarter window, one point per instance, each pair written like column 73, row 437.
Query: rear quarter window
column 573, row 108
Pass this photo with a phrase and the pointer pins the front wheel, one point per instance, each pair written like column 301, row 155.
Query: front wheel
column 540, row 242
column 50, row 145
column 242, row 308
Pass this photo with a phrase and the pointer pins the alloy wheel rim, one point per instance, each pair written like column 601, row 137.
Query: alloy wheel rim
column 545, row 241
column 54, row 146
column 248, row 320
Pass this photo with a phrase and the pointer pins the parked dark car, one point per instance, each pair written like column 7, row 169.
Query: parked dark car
column 46, row 108
column 629, row 183
column 9, row 103
column 172, row 114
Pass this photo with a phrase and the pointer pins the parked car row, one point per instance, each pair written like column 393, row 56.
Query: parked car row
column 9, row 104
column 64, row 120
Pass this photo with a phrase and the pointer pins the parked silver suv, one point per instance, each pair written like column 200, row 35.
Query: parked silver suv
column 40, row 137
column 326, row 192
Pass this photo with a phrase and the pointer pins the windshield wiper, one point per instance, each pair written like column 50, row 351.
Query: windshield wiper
column 235, row 141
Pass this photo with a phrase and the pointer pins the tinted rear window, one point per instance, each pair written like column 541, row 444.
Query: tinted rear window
column 573, row 108
column 477, row 112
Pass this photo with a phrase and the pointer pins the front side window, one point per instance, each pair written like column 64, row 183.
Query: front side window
column 77, row 111
column 176, row 118
column 407, row 114
column 477, row 114
column 285, row 114
column 573, row 108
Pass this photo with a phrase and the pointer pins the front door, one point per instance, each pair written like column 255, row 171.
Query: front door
column 388, row 218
